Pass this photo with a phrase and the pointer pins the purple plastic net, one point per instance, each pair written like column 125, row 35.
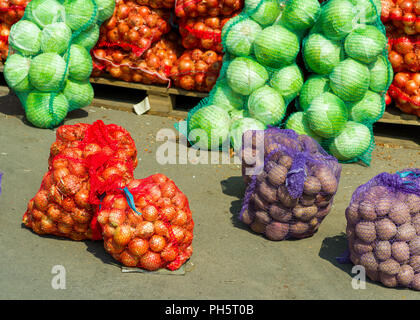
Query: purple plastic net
column 383, row 228
column 291, row 191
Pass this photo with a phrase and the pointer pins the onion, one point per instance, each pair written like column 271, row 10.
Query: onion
column 150, row 213
column 157, row 243
column 150, row 261
column 145, row 230
column 138, row 246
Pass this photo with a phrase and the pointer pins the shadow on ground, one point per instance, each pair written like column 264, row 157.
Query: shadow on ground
column 333, row 248
column 98, row 250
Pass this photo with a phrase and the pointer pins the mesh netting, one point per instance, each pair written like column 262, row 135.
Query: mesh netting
column 148, row 224
column 383, row 228
column 85, row 162
column 49, row 63
column 292, row 191
column 404, row 15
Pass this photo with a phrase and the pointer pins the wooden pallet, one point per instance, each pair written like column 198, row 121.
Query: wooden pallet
column 393, row 115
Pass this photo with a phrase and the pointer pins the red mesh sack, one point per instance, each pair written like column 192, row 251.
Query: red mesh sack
column 405, row 90
column 202, row 33
column 85, row 162
column 4, row 38
column 403, row 14
column 197, row 70
column 11, row 11
column 133, row 27
column 404, row 52
column 207, row 8
column 151, row 68
column 383, row 228
column 293, row 187
column 157, row 4
column 148, row 224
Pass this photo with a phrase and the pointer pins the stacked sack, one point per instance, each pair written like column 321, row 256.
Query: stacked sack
column 85, row 161
column 152, row 67
column 345, row 53
column 259, row 76
column 148, row 224
column 290, row 193
column 11, row 11
column 383, row 228
column 49, row 62
column 402, row 19
column 132, row 30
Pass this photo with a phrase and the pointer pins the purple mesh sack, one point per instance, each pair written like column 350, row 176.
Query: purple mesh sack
column 383, row 228
column 291, row 191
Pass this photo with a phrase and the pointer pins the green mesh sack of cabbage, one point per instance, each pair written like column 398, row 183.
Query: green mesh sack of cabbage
column 49, row 64
column 344, row 95
column 259, row 76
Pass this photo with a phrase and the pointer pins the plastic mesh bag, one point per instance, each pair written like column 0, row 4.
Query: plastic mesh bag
column 203, row 8
column 292, row 191
column 404, row 15
column 383, row 228
column 404, row 52
column 148, row 224
column 404, row 90
column 259, row 76
column 345, row 53
column 85, row 162
column 11, row 11
column 49, row 63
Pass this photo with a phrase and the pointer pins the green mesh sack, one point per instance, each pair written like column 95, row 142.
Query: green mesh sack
column 349, row 73
column 49, row 62
column 260, row 75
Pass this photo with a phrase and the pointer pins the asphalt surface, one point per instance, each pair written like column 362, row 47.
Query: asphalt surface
column 229, row 261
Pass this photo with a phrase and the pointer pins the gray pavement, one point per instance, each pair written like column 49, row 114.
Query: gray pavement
column 229, row 261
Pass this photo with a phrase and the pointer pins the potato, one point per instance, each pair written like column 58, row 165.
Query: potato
column 374, row 193
column 383, row 250
column 368, row 261
column 277, row 231
column 279, row 213
column 306, row 200
column 286, row 161
column 365, row 231
column 367, row 210
column 405, row 232
column 312, row 186
column 298, row 229
column 383, row 206
column 400, row 251
column 406, row 275
column 390, row 267
column 415, row 221
column 361, row 247
column 352, row 213
column 262, row 217
column 309, row 144
column 373, row 275
column 277, row 175
column 323, row 200
column 260, row 203
column 257, row 227
column 415, row 284
column 355, row 259
column 413, row 202
column 247, row 217
column 285, row 198
column 388, row 280
column 385, row 229
column 323, row 212
column 399, row 213
column 267, row 192
column 305, row 213
column 415, row 263
column 314, row 223
column 414, row 245
column 328, row 181
column 261, row 177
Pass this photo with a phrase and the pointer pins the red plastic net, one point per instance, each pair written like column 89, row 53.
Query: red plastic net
column 403, row 14
column 85, row 162
column 157, row 4
column 404, row 51
column 405, row 90
column 158, row 235
column 11, row 11
column 207, row 8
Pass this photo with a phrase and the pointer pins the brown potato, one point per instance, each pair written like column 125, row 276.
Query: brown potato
column 279, row 213
column 305, row 213
column 374, row 193
column 247, row 217
column 390, row 267
column 314, row 223
column 399, row 213
column 277, row 175
column 406, row 275
column 267, row 192
column 415, row 284
column 385, row 229
column 415, row 246
column 298, row 229
column 309, row 144
column 262, row 217
column 352, row 214
column 383, row 206
column 306, row 200
column 415, row 263
column 257, row 227
column 388, row 280
column 368, row 261
column 286, row 161
column 373, row 275
column 323, row 200
column 413, row 202
column 328, row 181
column 400, row 251
column 367, row 211
column 285, row 198
column 415, row 221
column 323, row 212
column 361, row 247
column 312, row 186
column 405, row 232
column 260, row 203
column 383, row 250
column 277, row 231
column 365, row 231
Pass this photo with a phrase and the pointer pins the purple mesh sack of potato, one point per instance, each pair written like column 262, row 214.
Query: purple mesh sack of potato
column 383, row 228
column 291, row 182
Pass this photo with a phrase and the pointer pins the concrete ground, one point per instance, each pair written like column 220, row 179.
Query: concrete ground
column 229, row 261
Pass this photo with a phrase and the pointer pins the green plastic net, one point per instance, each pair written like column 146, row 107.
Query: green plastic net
column 49, row 64
column 327, row 60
